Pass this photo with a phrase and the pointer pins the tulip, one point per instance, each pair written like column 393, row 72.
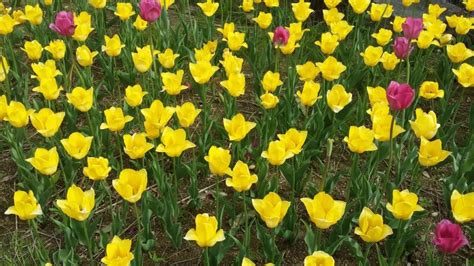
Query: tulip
column 134, row 95
column 45, row 161
column 404, row 204
column 81, row 98
column 203, row 54
column 25, row 205
column 372, row 55
column 118, row 252
column 263, row 20
column 241, row 179
column 150, row 10
column 337, row 98
column 379, row 11
column 331, row 69
column 45, row 70
column 83, row 24
column 98, row 4
column 231, row 63
column 124, row 11
column 97, row 168
column 226, row 29
column 426, row 39
column 4, row 68
column 383, row 36
column 458, row 53
column 407, row 3
column 449, row 237
column 381, row 125
column 332, row 3
column 280, row 36
column 209, row 7
column 399, row 96
column 371, row 227
column 219, row 160
column 431, row 152
column 296, row 31
column 308, row 71
column 377, row 95
column 389, row 61
column 187, row 113
column 167, row 58
column 174, row 142
column 8, row 24
column 140, row 24
column 436, row 27
column 57, row 48
column 172, row 82
column 64, row 23
column 271, row 81
column 402, row 47
column 78, row 204
column 115, row 120
column 469, row 5
column 135, row 146
column 34, row 14
column 206, row 234
column 17, row 115
column 247, row 5
column 210, row 46
column 131, row 184
column 113, row 46
column 430, row 90
column 332, row 16
column 143, row 59
column 3, row 107
column 156, row 118
column 235, row 84
column 235, row 41
column 309, row 94
column 465, row 75
column 301, row 10
column 323, row 210
column 425, row 124
column 269, row 100
column 463, row 25
column 328, row 43
column 33, row 50
column 359, row 6
column 412, row 27
column 84, row 56
column 202, row 71
column 76, row 145
column 48, row 87
column 360, row 139
column 46, row 122
column 462, row 206
column 272, row 209
column 293, row 140
column 237, row 128
column 277, row 153
column 319, row 258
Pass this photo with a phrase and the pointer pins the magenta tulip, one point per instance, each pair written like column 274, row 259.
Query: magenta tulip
column 64, row 23
column 412, row 27
column 449, row 237
column 150, row 10
column 281, row 36
column 399, row 96
column 402, row 47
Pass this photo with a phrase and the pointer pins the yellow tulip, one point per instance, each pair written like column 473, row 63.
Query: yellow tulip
column 379, row 11
column 404, row 204
column 143, row 59
column 113, row 46
column 431, row 152
column 272, row 209
column 187, row 113
column 115, row 120
column 332, row 3
column 426, row 39
column 407, row 3
column 462, row 206
column 445, row 39
column 360, row 139
column 206, row 234
column 337, row 98
column 237, row 127
column 381, row 127
column 308, row 71
column 290, row 47
column 140, row 24
column 203, row 54
column 3, row 107
column 389, row 61
column 174, row 142
column 33, row 50
column 45, row 161
column 25, row 205
column 226, row 29
column 331, row 69
column 271, row 81
column 48, row 87
column 241, row 179
column 301, row 10
column 202, row 71
column 371, row 227
column 263, row 20
column 377, row 95
column 383, row 36
column 430, row 90
column 118, row 252
column 81, row 98
column 269, row 100
column 78, row 204
column 332, row 16
column 34, row 14
column 309, row 94
column 323, row 210
column 168, row 3
column 131, row 184
column 4, row 68
column 124, row 11
column 57, row 48
column 379, row 110
column 98, row 4
column 465, row 75
column 293, row 140
column 359, row 6
column 210, row 46
column 46, row 70
column 296, row 31
column 277, row 153
column 77, row 145
column 425, row 124
column 209, row 7
column 167, row 58
column 231, row 63
column 319, row 258
column 397, row 23
column 172, row 83
column 17, row 114
column 459, row 53
column 219, row 160
column 328, row 43
column 372, row 55
column 235, row 84
column 84, row 56
column 135, row 146
column 272, row 3
column 97, row 168
column 235, row 41
column 437, row 28
column 8, row 24
column 19, row 17
column 83, row 24
column 134, row 95
column 156, row 118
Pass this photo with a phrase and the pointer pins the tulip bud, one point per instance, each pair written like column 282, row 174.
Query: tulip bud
column 402, row 47
column 281, row 36
column 150, row 10
column 449, row 237
column 64, row 23
column 412, row 27
column 399, row 96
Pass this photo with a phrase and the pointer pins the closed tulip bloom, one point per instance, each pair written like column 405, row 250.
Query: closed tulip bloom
column 458, row 53
column 25, row 205
column 84, row 56
column 465, row 75
column 319, row 258
column 46, row 122
column 462, row 206
column 332, row 3
column 77, row 145
column 337, row 98
column 381, row 127
column 431, row 152
column 46, row 70
column 389, row 61
column 3, row 107
column 219, row 160
column 18, row 17
column 332, row 16
column 113, row 46
column 81, row 98
column 97, row 168
column 379, row 11
column 203, row 54
column 33, row 50
column 308, row 71
column 143, row 59
column 328, row 43
column 49, row 88
column 134, row 95
column 83, row 24
column 17, row 114
column 383, row 36
column 131, row 184
column 372, row 55
column 115, row 120
column 359, row 6
column 241, row 179
column 172, row 82
column 263, row 20
column 8, row 24
column 118, row 252
column 425, row 124
column 293, row 140
column 202, row 71
column 209, row 7
column 226, row 29
column 247, row 5
column 206, row 234
column 174, row 142
column 64, row 23
column 463, row 25
column 235, row 41
column 323, row 210
column 469, row 5
column 57, row 48
column 98, row 4
column 167, row 58
column 360, row 139
column 331, row 69
column 78, row 204
column 397, row 23
column 271, row 81
column 150, row 10
column 231, row 63
column 449, row 237
column 371, row 227
column 124, row 11
column 404, row 204
column 280, row 36
column 156, row 118
column 430, row 90
column 399, row 96
column 269, row 100
column 140, row 24
column 135, row 146
column 272, row 209
column 402, row 47
column 237, row 127
column 309, row 94
column 4, row 68
column 301, row 10
column 412, row 27
column 235, row 84
column 277, row 154
column 45, row 161
column 187, row 114
column 426, row 39
column 34, row 14
column 296, row 31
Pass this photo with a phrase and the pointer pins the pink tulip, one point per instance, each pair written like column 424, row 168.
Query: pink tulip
column 281, row 36
column 399, row 96
column 64, row 23
column 449, row 237
column 412, row 27
column 150, row 10
column 402, row 47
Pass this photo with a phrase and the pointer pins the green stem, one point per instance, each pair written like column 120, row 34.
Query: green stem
column 390, row 151
column 397, row 243
column 206, row 257
column 89, row 242
column 246, row 239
